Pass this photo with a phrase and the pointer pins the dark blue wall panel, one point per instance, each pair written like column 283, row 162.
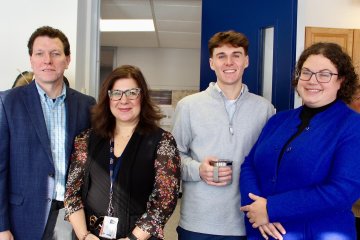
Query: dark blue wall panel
column 249, row 17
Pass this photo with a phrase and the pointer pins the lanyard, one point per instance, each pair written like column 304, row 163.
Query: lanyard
column 114, row 171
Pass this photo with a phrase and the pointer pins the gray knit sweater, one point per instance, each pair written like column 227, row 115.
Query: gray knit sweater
column 201, row 128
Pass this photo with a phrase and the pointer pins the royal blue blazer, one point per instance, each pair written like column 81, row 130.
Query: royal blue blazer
column 312, row 189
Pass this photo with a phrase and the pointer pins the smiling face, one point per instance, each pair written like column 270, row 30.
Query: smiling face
column 229, row 63
column 126, row 111
column 313, row 93
column 48, row 60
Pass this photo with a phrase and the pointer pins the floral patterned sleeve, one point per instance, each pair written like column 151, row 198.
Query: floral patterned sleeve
column 163, row 199
column 73, row 201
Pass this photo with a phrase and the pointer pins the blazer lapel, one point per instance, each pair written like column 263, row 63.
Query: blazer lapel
column 71, row 106
column 36, row 115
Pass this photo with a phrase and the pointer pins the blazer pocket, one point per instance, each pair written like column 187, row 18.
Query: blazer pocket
column 16, row 199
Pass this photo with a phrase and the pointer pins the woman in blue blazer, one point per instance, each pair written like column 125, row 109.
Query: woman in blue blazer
column 302, row 176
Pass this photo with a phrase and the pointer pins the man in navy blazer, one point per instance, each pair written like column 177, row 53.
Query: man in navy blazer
column 38, row 124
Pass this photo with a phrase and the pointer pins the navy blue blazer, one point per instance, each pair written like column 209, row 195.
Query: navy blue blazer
column 26, row 165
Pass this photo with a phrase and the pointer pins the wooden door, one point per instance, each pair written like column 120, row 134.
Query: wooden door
column 348, row 39
column 343, row 37
column 356, row 50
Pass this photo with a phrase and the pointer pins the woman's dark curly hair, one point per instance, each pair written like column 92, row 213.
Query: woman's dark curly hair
column 103, row 121
column 341, row 61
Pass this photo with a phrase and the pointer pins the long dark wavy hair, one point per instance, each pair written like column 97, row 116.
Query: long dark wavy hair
column 341, row 60
column 103, row 121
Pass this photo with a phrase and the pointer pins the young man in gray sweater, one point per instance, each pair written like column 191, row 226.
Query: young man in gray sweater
column 222, row 122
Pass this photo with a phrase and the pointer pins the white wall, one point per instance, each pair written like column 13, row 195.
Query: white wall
column 18, row 19
column 164, row 68
column 330, row 14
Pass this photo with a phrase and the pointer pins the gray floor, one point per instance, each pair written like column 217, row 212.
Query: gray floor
column 170, row 227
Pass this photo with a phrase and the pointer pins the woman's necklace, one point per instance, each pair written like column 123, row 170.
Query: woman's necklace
column 122, row 137
column 120, row 142
column 125, row 136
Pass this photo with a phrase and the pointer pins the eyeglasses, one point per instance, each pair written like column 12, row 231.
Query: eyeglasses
column 321, row 77
column 130, row 94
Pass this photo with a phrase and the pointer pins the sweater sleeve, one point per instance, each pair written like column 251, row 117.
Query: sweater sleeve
column 163, row 199
column 72, row 200
column 183, row 135
column 336, row 193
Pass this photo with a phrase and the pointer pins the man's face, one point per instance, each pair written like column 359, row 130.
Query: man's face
column 229, row 63
column 48, row 60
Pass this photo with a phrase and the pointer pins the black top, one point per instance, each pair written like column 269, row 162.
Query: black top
column 134, row 182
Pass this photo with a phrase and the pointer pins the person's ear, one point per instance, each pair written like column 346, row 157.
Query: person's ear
column 68, row 59
column 211, row 62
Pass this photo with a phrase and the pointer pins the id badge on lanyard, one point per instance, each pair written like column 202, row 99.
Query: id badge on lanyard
column 109, row 227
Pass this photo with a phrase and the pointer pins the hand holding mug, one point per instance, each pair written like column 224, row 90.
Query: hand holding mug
column 222, row 171
column 215, row 171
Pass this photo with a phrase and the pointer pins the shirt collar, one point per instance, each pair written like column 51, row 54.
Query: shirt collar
column 42, row 93
column 216, row 85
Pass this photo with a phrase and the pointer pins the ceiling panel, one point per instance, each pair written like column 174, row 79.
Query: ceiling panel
column 178, row 26
column 179, row 40
column 177, row 23
column 178, row 12
column 125, row 9
column 129, row 39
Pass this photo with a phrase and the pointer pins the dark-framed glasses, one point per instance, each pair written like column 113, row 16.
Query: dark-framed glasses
column 130, row 94
column 321, row 77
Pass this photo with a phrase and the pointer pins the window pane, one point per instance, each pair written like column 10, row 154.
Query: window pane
column 267, row 62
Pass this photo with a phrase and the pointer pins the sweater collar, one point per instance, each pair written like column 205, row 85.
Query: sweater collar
column 216, row 92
